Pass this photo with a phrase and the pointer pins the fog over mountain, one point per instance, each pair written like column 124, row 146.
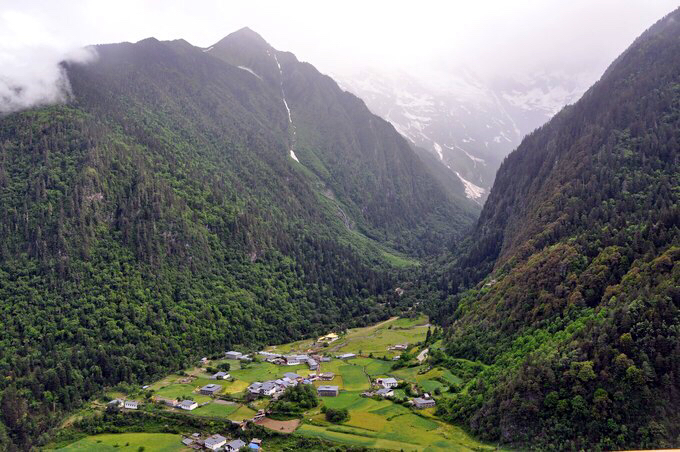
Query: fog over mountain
column 490, row 38
column 470, row 124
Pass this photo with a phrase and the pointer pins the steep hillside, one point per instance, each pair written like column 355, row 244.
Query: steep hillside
column 572, row 307
column 159, row 217
column 360, row 161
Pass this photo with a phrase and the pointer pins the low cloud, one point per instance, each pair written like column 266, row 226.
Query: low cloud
column 31, row 72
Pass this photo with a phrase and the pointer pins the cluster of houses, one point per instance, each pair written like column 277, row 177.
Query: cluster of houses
column 220, row 443
column 127, row 404
column 294, row 360
column 274, row 388
column 386, row 388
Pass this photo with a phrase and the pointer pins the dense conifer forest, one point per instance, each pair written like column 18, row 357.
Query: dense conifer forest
column 158, row 217
column 187, row 201
column 567, row 293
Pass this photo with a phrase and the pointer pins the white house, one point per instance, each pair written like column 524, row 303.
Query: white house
column 130, row 405
column 268, row 388
column 234, row 445
column 388, row 382
column 215, row 442
column 188, row 405
column 233, row 355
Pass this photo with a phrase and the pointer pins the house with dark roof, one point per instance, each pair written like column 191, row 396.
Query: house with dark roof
column 385, row 392
column 233, row 355
column 269, row 388
column 234, row 445
column 327, row 391
column 420, row 403
column 210, row 389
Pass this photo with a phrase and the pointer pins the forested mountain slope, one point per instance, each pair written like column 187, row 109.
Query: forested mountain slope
column 357, row 156
column 159, row 217
column 568, row 291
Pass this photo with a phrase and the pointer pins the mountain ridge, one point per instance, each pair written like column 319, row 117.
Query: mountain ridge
column 565, row 295
column 159, row 217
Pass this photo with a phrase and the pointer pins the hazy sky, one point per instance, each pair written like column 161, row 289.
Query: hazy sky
column 488, row 36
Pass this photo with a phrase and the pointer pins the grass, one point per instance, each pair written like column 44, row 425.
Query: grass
column 234, row 387
column 243, row 412
column 375, row 339
column 178, row 391
column 215, row 410
column 372, row 423
column 353, row 377
column 160, row 442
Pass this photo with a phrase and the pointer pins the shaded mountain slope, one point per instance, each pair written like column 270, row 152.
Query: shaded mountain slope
column 567, row 291
column 357, row 157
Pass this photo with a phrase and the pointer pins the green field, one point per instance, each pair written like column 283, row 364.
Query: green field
column 372, row 423
column 152, row 442
column 215, row 409
column 375, row 339
column 353, row 377
column 178, row 391
column 243, row 412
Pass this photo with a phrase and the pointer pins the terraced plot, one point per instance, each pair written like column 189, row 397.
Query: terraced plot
column 215, row 409
column 157, row 442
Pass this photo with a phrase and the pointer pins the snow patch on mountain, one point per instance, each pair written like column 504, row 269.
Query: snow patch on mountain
column 293, row 156
column 247, row 69
column 472, row 191
column 440, row 152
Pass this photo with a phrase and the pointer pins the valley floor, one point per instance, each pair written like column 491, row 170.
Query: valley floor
column 373, row 423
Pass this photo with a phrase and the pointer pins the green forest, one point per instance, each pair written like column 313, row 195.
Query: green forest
column 157, row 218
column 567, row 293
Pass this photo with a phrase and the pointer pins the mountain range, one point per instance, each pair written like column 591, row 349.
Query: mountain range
column 468, row 122
column 188, row 200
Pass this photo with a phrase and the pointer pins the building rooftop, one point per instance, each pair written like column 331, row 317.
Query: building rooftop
column 327, row 388
column 214, row 440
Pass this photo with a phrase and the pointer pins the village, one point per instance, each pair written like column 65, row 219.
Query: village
column 357, row 372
